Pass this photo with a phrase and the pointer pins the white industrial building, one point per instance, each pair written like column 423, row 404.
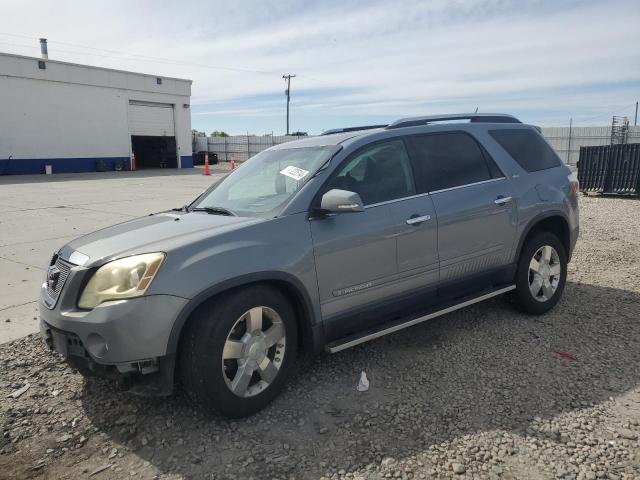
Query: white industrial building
column 79, row 118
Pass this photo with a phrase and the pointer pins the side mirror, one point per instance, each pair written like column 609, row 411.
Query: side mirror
column 341, row 201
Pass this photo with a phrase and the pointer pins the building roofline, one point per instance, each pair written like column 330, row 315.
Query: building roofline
column 83, row 65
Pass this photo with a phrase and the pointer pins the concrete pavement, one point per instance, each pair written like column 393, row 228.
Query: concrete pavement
column 39, row 214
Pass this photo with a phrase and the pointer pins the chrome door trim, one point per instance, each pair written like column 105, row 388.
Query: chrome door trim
column 468, row 185
column 387, row 202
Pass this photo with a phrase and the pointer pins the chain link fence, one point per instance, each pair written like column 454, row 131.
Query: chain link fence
column 566, row 142
column 239, row 148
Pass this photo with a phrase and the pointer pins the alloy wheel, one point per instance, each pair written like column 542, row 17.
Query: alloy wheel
column 254, row 351
column 544, row 273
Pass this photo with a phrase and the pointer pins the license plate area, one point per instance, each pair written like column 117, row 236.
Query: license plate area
column 67, row 344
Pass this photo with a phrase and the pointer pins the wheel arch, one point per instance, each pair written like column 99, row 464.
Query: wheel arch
column 309, row 330
column 555, row 222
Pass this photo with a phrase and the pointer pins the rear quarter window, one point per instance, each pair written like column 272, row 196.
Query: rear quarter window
column 527, row 148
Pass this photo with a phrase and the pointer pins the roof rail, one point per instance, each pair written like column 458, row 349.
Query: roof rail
column 351, row 129
column 472, row 117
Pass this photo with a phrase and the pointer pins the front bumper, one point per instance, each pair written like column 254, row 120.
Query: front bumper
column 123, row 331
column 124, row 339
column 153, row 377
column 127, row 338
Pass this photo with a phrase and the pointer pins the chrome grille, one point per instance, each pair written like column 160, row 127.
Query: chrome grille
column 64, row 268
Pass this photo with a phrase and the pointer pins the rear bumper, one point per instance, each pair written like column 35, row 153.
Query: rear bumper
column 575, row 233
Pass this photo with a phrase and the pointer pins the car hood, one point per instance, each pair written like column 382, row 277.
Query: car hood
column 160, row 232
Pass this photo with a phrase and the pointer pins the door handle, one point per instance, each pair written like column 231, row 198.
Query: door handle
column 502, row 200
column 414, row 220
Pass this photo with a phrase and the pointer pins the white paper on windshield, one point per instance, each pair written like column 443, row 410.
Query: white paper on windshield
column 294, row 172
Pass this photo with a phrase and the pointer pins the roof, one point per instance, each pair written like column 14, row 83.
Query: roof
column 49, row 60
column 21, row 66
column 323, row 140
column 351, row 129
column 344, row 135
column 471, row 117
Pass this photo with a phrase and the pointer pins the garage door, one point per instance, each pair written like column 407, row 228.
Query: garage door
column 151, row 119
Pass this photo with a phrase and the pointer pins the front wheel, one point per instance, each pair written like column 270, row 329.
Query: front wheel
column 236, row 354
column 541, row 274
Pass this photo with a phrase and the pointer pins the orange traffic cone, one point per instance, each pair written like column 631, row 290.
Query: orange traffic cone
column 133, row 161
column 206, row 164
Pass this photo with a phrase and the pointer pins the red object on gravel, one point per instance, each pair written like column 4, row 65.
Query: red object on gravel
column 567, row 355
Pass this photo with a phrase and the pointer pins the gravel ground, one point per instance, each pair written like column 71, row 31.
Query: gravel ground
column 481, row 393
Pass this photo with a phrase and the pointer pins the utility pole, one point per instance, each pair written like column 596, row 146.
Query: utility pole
column 569, row 149
column 635, row 120
column 287, row 92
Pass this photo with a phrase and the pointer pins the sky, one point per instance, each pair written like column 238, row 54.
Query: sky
column 356, row 62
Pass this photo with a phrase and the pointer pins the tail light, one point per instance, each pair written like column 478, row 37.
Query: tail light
column 573, row 183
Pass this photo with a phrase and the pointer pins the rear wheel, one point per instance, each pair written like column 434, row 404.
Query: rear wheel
column 541, row 274
column 236, row 354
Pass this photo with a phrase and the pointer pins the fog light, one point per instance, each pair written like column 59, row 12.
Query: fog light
column 96, row 345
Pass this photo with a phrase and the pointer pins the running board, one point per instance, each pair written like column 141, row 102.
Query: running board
column 353, row 340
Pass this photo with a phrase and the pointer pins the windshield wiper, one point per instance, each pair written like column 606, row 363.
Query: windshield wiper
column 214, row 211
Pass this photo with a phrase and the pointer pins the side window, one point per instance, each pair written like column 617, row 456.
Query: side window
column 377, row 173
column 449, row 160
column 527, row 147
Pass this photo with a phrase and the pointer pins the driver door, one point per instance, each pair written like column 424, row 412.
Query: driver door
column 355, row 252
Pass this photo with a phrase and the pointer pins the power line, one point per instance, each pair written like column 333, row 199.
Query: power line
column 120, row 55
column 133, row 56
column 605, row 115
column 16, row 35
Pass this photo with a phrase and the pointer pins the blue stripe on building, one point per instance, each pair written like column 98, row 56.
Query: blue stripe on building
column 21, row 166
column 18, row 166
column 186, row 161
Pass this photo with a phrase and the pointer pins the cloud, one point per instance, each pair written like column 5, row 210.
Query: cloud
column 356, row 60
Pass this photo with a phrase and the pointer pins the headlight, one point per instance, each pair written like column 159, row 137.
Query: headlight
column 125, row 278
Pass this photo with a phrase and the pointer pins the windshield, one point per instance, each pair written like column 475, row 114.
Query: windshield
column 264, row 182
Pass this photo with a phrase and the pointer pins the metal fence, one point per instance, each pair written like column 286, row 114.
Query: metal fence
column 568, row 146
column 610, row 169
column 241, row 147
column 238, row 148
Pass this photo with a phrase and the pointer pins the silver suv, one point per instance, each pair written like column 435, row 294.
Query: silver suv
column 318, row 244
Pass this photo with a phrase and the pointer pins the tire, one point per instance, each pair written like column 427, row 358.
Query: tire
column 546, row 249
column 237, row 386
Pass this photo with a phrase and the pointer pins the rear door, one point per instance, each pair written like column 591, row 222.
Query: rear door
column 474, row 204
